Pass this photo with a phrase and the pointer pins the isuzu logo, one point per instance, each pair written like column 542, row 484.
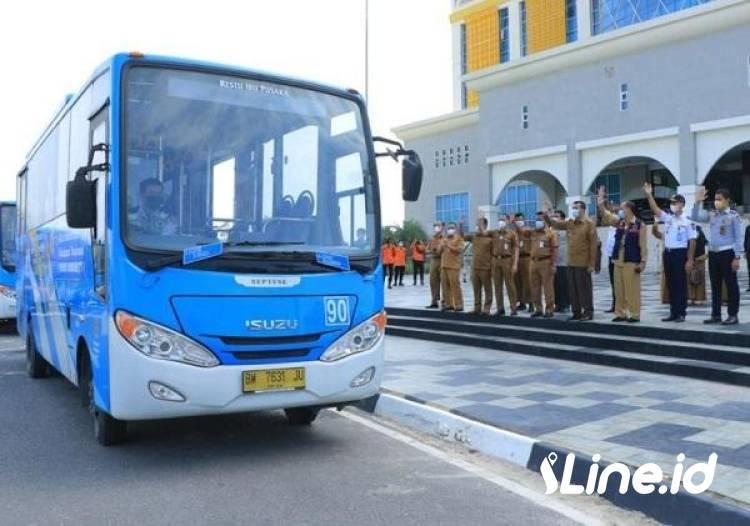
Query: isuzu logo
column 271, row 325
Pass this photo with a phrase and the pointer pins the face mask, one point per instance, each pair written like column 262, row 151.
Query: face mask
column 575, row 213
column 719, row 205
column 437, row 229
column 520, row 224
column 401, row 245
column 501, row 225
column 674, row 208
column 539, row 225
column 621, row 214
column 153, row 202
column 451, row 231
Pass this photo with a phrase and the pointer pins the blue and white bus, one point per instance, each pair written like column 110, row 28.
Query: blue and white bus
column 198, row 239
column 7, row 261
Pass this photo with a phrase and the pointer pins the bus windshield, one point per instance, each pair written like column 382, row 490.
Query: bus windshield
column 257, row 165
column 8, row 236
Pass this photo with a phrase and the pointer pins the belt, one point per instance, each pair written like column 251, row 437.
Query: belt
column 674, row 249
column 722, row 249
column 540, row 258
column 524, row 255
column 503, row 257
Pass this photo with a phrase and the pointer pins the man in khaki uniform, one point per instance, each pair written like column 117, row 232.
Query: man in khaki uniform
column 435, row 251
column 582, row 245
column 505, row 266
column 481, row 266
column 630, row 253
column 542, row 268
column 452, row 256
column 523, row 277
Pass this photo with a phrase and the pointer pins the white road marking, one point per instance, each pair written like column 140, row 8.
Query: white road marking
column 520, row 490
column 13, row 373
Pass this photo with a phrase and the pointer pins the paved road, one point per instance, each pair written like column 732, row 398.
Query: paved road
column 249, row 469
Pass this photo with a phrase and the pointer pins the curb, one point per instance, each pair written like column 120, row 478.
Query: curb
column 419, row 415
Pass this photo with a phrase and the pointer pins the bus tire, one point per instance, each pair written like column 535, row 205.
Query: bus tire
column 36, row 365
column 108, row 431
column 301, row 416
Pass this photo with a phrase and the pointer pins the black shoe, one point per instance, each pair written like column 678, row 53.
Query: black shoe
column 500, row 313
column 587, row 317
column 712, row 321
column 537, row 314
column 514, row 313
column 619, row 319
column 679, row 319
column 459, row 310
column 575, row 317
column 610, row 310
column 447, row 309
column 390, row 287
column 669, row 318
column 634, row 320
column 732, row 320
column 549, row 315
column 431, row 306
column 521, row 307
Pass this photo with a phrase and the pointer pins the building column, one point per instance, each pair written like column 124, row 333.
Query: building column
column 514, row 26
column 688, row 163
column 457, row 77
column 575, row 172
column 583, row 12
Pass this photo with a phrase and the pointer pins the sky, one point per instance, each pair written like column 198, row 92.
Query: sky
column 52, row 47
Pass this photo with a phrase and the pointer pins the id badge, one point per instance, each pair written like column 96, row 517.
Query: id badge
column 507, row 246
column 541, row 244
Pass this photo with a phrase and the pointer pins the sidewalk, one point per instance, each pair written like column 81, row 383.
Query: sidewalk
column 625, row 416
column 652, row 310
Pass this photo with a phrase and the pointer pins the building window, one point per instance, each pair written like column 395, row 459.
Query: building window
column 571, row 21
column 611, row 184
column 624, row 97
column 464, row 56
column 525, row 117
column 524, row 30
column 504, row 35
column 452, row 207
column 459, row 157
column 520, row 198
column 608, row 15
column 464, row 96
column 444, row 158
column 466, row 154
column 437, row 159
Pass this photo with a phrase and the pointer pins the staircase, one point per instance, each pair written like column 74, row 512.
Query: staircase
column 714, row 356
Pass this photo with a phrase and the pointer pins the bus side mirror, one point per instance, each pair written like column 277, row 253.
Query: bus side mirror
column 411, row 177
column 80, row 202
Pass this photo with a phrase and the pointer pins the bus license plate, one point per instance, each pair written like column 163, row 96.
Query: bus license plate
column 273, row 380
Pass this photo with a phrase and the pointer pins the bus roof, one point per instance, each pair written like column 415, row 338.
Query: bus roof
column 121, row 58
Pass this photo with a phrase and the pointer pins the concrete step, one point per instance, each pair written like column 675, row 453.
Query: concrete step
column 700, row 369
column 723, row 337
column 540, row 332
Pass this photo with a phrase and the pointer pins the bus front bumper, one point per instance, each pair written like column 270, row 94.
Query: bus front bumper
column 218, row 390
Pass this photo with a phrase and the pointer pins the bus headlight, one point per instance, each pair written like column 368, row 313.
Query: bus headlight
column 362, row 338
column 8, row 292
column 161, row 343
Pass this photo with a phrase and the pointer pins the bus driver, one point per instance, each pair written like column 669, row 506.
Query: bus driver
column 150, row 218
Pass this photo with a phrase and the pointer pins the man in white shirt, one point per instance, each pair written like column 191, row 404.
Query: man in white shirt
column 679, row 250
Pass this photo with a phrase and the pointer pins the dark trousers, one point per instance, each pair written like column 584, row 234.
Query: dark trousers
column 562, row 301
column 581, row 291
column 676, row 276
column 398, row 278
column 612, row 279
column 389, row 273
column 720, row 271
column 418, row 271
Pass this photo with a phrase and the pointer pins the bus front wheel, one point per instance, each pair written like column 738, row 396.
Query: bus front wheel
column 108, row 431
column 36, row 365
column 301, row 416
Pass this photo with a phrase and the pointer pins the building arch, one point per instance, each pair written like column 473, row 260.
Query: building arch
column 527, row 192
column 732, row 171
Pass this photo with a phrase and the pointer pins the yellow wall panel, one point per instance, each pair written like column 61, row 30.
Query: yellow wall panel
column 472, row 99
column 482, row 39
column 545, row 24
